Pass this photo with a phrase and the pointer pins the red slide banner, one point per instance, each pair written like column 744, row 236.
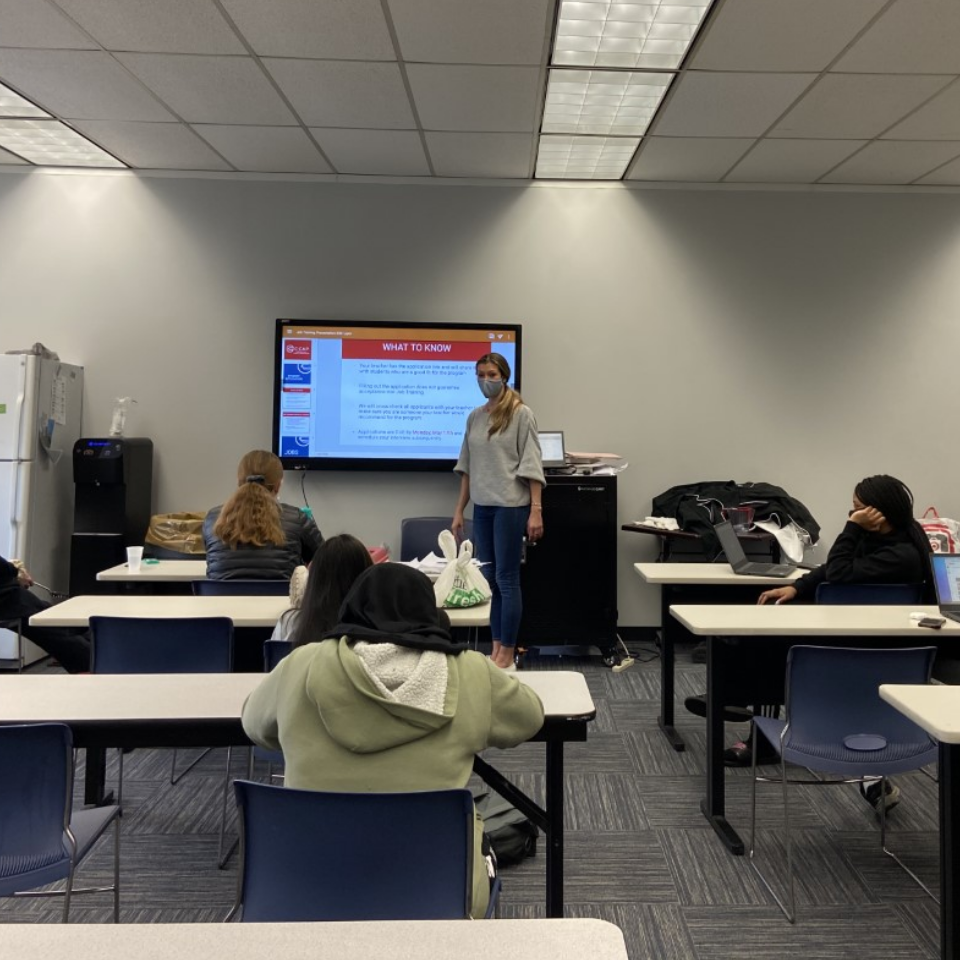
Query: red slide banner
column 420, row 350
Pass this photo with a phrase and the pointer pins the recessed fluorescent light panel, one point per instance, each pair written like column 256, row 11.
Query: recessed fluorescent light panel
column 602, row 102
column 13, row 105
column 654, row 34
column 584, row 158
column 50, row 143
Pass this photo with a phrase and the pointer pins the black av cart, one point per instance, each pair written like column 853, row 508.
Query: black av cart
column 569, row 578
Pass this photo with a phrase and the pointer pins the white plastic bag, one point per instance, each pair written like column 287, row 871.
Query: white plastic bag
column 460, row 584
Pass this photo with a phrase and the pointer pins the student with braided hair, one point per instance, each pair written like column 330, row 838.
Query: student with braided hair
column 880, row 543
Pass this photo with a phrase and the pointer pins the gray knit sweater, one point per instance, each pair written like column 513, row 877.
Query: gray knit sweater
column 500, row 467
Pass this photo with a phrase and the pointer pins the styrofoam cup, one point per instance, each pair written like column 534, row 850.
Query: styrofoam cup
column 134, row 556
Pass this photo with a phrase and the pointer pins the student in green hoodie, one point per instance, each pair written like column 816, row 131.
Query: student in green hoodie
column 388, row 702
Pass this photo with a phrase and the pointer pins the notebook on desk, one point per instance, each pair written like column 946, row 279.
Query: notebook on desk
column 946, row 579
column 553, row 453
column 738, row 559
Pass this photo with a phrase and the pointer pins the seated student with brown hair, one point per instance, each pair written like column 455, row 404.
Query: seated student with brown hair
column 253, row 536
column 388, row 702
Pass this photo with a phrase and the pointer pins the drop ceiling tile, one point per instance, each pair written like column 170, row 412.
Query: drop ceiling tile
column 502, row 99
column 853, row 107
column 153, row 146
column 465, row 31
column 265, row 149
column 211, row 89
column 171, row 26
column 320, row 29
column 79, row 85
column 912, row 36
column 947, row 175
column 385, row 153
column 781, row 35
column 10, row 158
column 728, row 104
column 893, row 161
column 791, row 161
column 694, row 159
column 337, row 94
column 482, row 155
column 937, row 120
column 26, row 23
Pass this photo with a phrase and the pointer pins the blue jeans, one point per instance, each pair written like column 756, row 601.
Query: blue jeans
column 498, row 538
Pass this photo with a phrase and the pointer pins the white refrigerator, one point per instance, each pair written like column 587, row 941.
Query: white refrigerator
column 40, row 408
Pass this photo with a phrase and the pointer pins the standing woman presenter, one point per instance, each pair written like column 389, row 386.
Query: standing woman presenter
column 501, row 471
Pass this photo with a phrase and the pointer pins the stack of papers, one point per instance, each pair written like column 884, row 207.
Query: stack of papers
column 432, row 565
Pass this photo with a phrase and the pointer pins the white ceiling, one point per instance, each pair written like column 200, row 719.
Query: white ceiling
column 773, row 91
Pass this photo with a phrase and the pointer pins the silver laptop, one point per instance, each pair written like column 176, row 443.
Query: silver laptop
column 552, row 450
column 946, row 579
column 738, row 559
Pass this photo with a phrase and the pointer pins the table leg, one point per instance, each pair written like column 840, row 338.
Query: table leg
column 667, row 669
column 949, row 850
column 713, row 806
column 95, row 777
column 554, row 829
column 550, row 820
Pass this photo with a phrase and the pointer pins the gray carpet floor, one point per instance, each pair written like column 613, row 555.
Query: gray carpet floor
column 638, row 851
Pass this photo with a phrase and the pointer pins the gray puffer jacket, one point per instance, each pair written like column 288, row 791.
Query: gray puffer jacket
column 262, row 563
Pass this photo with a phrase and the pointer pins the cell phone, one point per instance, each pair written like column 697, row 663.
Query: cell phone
column 933, row 623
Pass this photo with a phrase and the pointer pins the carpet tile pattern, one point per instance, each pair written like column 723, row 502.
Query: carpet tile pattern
column 638, row 852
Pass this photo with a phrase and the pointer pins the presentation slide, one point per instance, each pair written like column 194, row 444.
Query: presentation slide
column 381, row 392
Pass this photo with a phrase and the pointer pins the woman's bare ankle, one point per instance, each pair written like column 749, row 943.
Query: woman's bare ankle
column 504, row 657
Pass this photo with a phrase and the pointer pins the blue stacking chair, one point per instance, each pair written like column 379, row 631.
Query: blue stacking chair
column 309, row 855
column 241, row 588
column 837, row 724
column 42, row 839
column 165, row 645
column 869, row 594
column 418, row 535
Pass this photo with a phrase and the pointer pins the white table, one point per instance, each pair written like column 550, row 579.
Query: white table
column 243, row 611
column 810, row 620
column 151, row 710
column 693, row 583
column 762, row 636
column 157, row 571
column 385, row 940
column 937, row 710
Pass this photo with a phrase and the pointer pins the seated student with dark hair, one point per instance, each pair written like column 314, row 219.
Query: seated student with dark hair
column 70, row 646
column 389, row 702
column 336, row 564
column 880, row 543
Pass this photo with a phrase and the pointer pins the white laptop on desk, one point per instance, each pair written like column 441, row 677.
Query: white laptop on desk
column 946, row 579
column 738, row 559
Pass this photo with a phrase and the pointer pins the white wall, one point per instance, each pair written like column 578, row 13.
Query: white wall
column 807, row 339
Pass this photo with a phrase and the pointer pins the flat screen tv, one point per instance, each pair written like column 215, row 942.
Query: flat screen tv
column 371, row 395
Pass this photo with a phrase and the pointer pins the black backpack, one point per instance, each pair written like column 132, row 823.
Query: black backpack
column 511, row 836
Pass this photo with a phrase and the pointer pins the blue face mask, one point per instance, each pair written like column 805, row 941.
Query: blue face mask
column 490, row 388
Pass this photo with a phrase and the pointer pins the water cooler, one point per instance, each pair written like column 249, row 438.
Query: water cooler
column 113, row 493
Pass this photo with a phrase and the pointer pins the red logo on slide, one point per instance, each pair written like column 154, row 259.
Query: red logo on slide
column 296, row 349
